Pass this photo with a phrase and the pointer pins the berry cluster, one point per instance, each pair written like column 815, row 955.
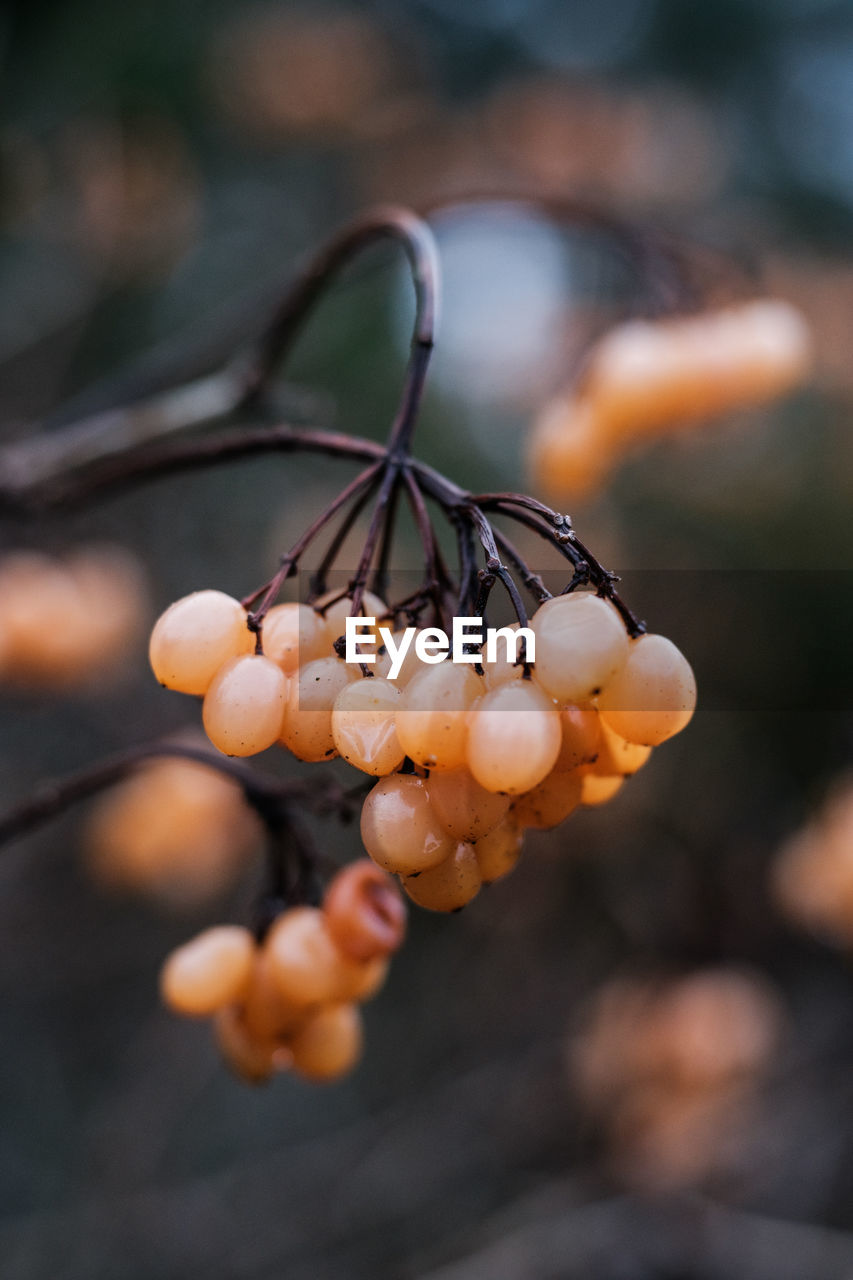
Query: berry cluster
column 290, row 1001
column 648, row 378
column 468, row 755
column 65, row 622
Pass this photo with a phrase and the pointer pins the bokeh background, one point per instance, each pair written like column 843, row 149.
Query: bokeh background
column 163, row 166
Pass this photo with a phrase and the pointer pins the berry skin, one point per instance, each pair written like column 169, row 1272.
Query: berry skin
column 432, row 722
column 616, row 757
column 450, row 885
column 653, row 696
column 244, row 705
column 581, row 643
column 364, row 726
column 409, row 667
column 329, row 1044
column 365, row 915
column 551, row 802
column 194, row 637
column 309, row 968
column 250, row 1058
column 581, row 740
column 514, row 738
column 596, row 789
column 307, row 727
column 294, row 635
column 466, row 810
column 499, row 851
column 399, row 827
column 336, row 613
column 209, row 971
column 267, row 1015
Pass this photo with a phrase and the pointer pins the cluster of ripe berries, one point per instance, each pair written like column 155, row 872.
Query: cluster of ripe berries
column 69, row 621
column 290, row 1001
column 647, row 378
column 467, row 756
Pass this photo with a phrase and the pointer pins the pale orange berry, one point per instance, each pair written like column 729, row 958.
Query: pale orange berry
column 266, row 1014
column 45, row 621
column 194, row 637
column 499, row 851
column 364, row 726
column 307, row 726
column 362, row 979
column 176, row 829
column 568, row 452
column 399, row 827
column 648, row 376
column 581, row 740
column 432, row 722
column 410, row 666
column 209, row 971
column 465, row 809
column 616, row 757
column 335, row 614
column 551, row 802
column 330, row 1043
column 293, row 635
column 305, row 962
column 450, row 885
column 503, row 668
column 596, row 789
column 250, row 1058
column 365, row 914
column 244, row 705
column 513, row 738
column 581, row 643
column 653, row 696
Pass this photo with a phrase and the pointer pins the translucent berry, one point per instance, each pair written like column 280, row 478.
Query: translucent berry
column 244, row 705
column 581, row 741
column 513, row 738
column 410, row 666
column 209, row 971
column 499, row 851
column 465, row 809
column 616, row 757
column 251, row 1059
column 364, row 726
column 551, row 802
column 596, row 789
column 177, row 830
column 365, row 914
column 336, row 612
column 307, row 727
column 399, row 827
column 653, row 696
column 432, row 722
column 293, row 635
column 450, row 885
column 306, row 963
column 330, row 1043
column 194, row 637
column 580, row 645
column 266, row 1014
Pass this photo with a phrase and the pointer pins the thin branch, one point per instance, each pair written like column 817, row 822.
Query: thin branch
column 264, row 793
